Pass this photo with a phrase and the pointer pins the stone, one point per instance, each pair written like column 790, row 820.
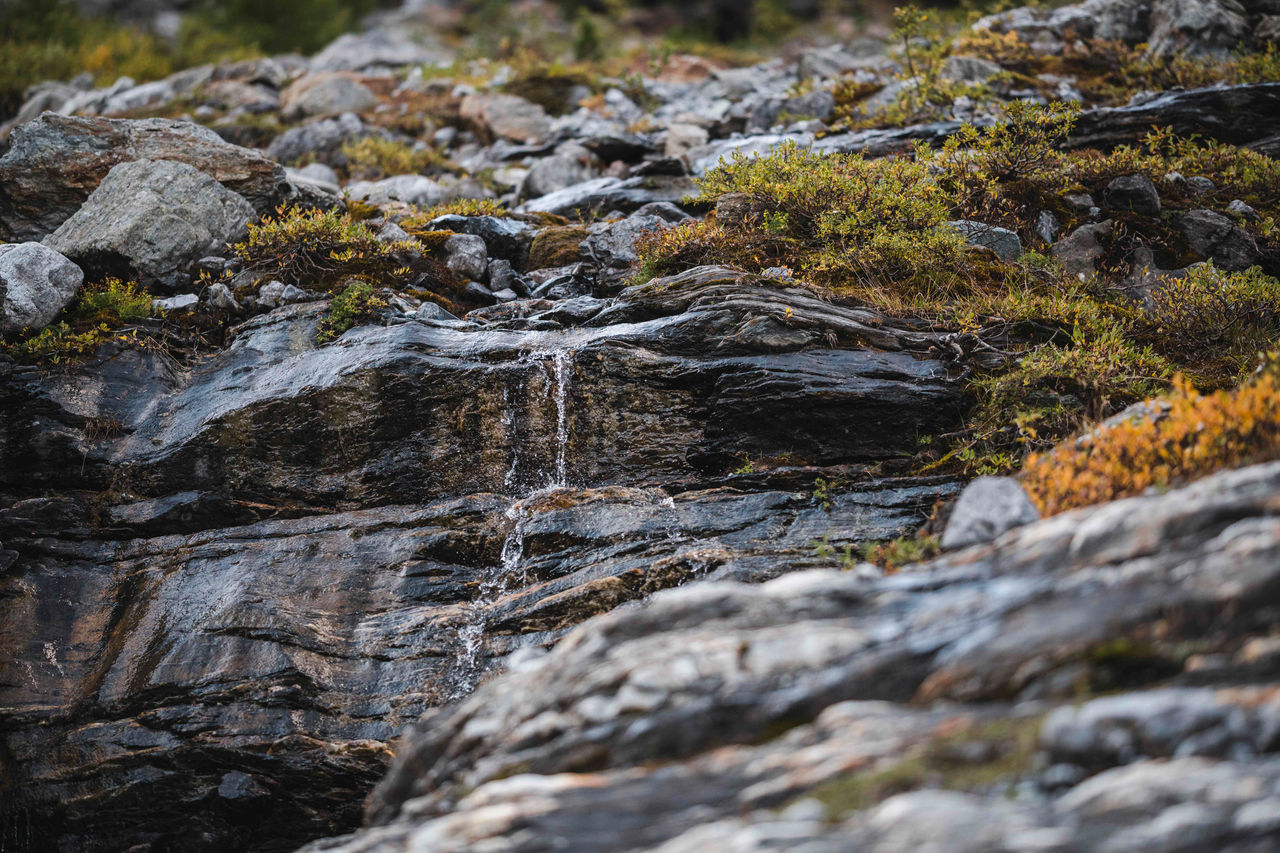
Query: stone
column 971, row 70
column 55, row 162
column 1081, row 250
column 468, row 256
column 1216, row 237
column 181, row 302
column 1133, row 192
column 683, row 138
column 36, row 283
column 326, row 94
column 270, row 294
column 988, row 507
column 1196, row 27
column 321, row 140
column 819, row 105
column 431, row 312
column 376, row 48
column 152, row 220
column 551, row 174
column 220, row 296
column 1002, row 241
column 411, row 189
column 477, row 292
column 1047, row 226
column 1242, row 210
column 507, row 117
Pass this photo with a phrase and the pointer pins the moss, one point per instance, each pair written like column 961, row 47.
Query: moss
column 373, row 157
column 556, row 246
column 355, row 304
column 979, row 756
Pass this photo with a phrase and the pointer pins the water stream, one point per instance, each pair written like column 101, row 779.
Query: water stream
column 508, row 575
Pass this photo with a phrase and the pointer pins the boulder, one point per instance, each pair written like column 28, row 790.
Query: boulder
column 326, row 94
column 507, row 117
column 986, row 508
column 1196, row 27
column 1002, row 241
column 36, row 283
column 55, row 162
column 1133, row 192
column 152, row 220
column 551, row 174
column 1080, row 251
column 319, row 141
column 1215, row 236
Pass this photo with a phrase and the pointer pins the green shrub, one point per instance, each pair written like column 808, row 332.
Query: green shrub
column 855, row 225
column 373, row 157
column 319, row 249
column 355, row 304
column 100, row 313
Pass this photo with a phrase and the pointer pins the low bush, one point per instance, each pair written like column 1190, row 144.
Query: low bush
column 1185, row 436
column 100, row 313
column 373, row 157
column 319, row 249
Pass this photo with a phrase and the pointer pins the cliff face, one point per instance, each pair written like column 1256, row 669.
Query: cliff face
column 272, row 563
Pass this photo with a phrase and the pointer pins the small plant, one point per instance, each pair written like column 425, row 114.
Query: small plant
column 893, row 554
column 1186, row 435
column 373, row 157
column 458, row 207
column 355, row 304
column 319, row 249
column 101, row 313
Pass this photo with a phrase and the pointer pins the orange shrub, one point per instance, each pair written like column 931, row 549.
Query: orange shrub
column 1195, row 436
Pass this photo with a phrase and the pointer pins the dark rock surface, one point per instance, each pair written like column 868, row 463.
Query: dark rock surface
column 260, row 570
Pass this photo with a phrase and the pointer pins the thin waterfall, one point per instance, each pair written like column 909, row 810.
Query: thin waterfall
column 555, row 367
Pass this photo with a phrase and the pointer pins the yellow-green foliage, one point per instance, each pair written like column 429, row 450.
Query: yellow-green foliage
column 355, row 304
column 100, row 313
column 893, row 554
column 841, row 220
column 1213, row 321
column 372, row 157
column 318, row 249
column 1194, row 436
column 550, row 85
column 461, row 207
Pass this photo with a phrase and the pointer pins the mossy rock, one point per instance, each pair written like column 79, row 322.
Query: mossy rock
column 556, row 247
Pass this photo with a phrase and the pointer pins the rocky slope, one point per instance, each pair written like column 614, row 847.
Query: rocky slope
column 237, row 561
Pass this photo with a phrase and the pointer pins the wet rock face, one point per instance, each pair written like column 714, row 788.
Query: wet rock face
column 660, row 715
column 251, row 576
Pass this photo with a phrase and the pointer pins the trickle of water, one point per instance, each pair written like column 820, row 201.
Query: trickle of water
column 498, row 580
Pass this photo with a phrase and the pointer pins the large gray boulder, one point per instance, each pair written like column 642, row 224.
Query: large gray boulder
column 55, row 162
column 35, row 284
column 152, row 219
column 1196, row 27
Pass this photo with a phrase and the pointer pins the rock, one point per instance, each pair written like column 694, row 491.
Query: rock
column 411, row 189
column 604, row 194
column 477, row 292
column 1214, row 236
column 1081, row 250
column 376, row 48
column 468, row 256
column 220, row 296
column 815, row 105
column 151, row 220
column 611, row 245
column 1047, row 226
column 55, row 162
column 551, row 174
column 326, row 94
column 1233, row 114
column 683, row 138
column 986, row 508
column 1242, row 210
column 181, row 302
column 507, row 116
column 390, row 232
column 508, row 239
column 970, row 70
column 321, row 140
column 431, row 312
column 1133, row 192
column 36, row 283
column 1196, row 27
column 664, row 210
column 270, row 294
column 627, row 147
column 1002, row 241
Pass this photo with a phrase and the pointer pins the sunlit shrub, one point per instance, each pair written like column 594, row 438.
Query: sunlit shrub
column 1189, row 435
column 318, row 249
